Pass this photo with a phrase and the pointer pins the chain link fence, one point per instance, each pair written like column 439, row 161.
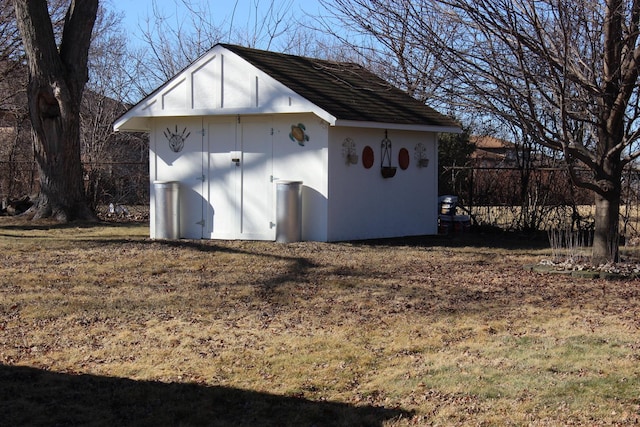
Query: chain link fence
column 534, row 199
column 117, row 183
column 502, row 198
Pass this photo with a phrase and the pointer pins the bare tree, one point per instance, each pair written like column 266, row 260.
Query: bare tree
column 103, row 151
column 10, row 48
column 102, row 102
column 57, row 77
column 564, row 73
column 383, row 33
column 170, row 40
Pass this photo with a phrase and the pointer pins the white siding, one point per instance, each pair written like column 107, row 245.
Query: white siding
column 307, row 163
column 205, row 85
column 185, row 166
column 364, row 205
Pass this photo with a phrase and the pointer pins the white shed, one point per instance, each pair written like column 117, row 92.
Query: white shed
column 238, row 120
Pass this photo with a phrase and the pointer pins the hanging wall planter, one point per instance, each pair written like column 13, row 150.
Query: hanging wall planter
column 421, row 155
column 386, row 169
column 349, row 151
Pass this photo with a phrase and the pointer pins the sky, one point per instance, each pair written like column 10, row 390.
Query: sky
column 236, row 19
column 232, row 13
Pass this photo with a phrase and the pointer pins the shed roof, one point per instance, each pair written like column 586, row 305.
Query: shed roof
column 342, row 93
column 346, row 90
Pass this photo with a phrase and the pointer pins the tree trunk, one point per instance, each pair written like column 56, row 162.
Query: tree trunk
column 606, row 231
column 57, row 77
column 57, row 149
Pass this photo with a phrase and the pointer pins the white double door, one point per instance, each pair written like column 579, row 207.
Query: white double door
column 238, row 181
column 224, row 168
column 225, row 174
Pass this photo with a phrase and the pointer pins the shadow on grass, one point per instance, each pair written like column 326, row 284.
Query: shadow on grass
column 493, row 238
column 17, row 223
column 32, row 397
column 497, row 240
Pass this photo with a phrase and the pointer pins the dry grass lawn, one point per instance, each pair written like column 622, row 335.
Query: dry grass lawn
column 101, row 326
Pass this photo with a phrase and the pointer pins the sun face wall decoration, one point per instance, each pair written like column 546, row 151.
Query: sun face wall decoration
column 176, row 139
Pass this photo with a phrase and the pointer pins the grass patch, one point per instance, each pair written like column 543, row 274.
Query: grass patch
column 395, row 332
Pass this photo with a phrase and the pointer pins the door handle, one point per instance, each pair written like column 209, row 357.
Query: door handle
column 236, row 161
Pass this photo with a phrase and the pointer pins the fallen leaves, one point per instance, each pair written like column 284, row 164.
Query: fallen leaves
column 455, row 333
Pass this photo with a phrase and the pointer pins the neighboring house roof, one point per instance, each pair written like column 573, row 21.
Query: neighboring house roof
column 346, row 90
column 491, row 151
column 491, row 142
column 344, row 94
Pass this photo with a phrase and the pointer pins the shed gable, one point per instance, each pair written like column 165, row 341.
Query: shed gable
column 219, row 83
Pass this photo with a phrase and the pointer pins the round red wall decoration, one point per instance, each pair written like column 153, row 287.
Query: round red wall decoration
column 403, row 158
column 367, row 157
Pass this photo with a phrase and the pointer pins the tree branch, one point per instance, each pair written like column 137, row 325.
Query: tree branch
column 32, row 17
column 76, row 39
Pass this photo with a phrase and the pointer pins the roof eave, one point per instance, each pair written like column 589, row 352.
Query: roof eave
column 132, row 124
column 142, row 123
column 399, row 126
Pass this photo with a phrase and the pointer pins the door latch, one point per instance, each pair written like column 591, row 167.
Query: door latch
column 235, row 157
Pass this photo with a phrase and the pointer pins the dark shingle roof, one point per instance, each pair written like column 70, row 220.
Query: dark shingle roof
column 346, row 90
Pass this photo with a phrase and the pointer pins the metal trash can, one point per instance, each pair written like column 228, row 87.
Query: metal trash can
column 167, row 204
column 288, row 211
column 448, row 204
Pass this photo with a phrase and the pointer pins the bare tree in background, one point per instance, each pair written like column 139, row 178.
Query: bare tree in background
column 10, row 46
column 171, row 40
column 564, row 73
column 104, row 152
column 57, row 77
column 383, row 34
column 13, row 112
